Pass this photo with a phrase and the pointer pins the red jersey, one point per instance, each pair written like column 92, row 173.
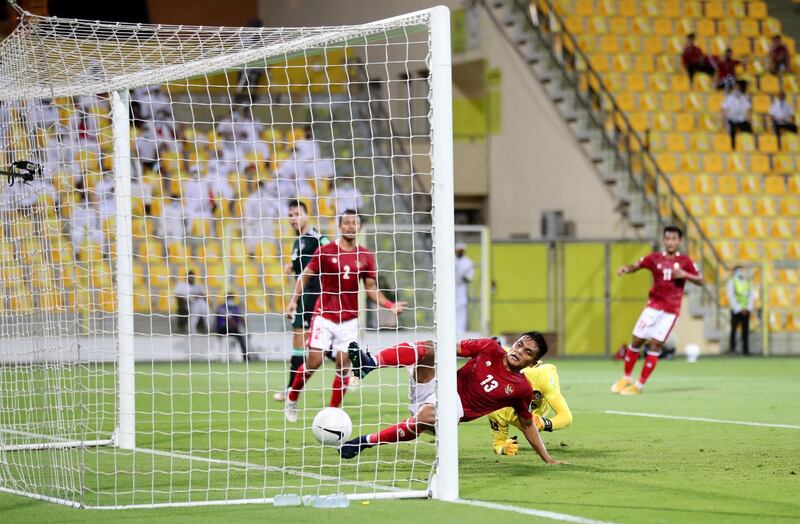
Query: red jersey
column 725, row 68
column 339, row 272
column 485, row 385
column 666, row 293
column 692, row 55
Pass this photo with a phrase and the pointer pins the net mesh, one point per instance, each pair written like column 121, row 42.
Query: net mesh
column 227, row 126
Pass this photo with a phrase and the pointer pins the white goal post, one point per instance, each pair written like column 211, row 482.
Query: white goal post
column 146, row 263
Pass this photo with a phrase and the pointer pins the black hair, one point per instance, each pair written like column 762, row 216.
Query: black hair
column 691, row 35
column 190, row 274
column 350, row 212
column 674, row 229
column 541, row 343
column 298, row 203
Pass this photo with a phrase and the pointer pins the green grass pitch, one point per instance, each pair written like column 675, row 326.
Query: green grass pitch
column 620, row 468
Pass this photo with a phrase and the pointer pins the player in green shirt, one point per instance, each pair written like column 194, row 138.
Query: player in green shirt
column 308, row 240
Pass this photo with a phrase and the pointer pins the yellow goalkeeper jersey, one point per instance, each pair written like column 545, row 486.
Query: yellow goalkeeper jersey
column 547, row 400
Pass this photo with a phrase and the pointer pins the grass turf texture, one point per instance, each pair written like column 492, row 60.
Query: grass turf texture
column 621, row 468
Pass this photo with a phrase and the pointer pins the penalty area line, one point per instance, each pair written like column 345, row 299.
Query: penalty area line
column 552, row 515
column 701, row 419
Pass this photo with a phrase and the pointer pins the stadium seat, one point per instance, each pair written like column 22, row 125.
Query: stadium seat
column 749, row 251
column 765, row 206
column 742, row 206
column 774, row 185
column 727, row 185
column 790, row 206
column 756, row 228
column 749, row 184
column 732, row 228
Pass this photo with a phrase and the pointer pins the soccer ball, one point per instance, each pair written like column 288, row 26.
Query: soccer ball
column 332, row 427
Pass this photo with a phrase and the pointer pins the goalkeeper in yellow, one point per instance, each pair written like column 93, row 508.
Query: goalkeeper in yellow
column 549, row 408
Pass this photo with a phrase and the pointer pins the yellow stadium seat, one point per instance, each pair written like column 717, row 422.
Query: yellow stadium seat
column 749, row 184
column 790, row 206
column 772, row 26
column 662, row 26
column 774, row 185
column 666, row 162
column 769, row 84
column 704, row 184
column 700, row 142
column 671, row 103
column 793, row 249
column 742, row 206
column 676, row 143
column 725, row 249
column 696, row 205
column 736, row 163
column 715, row 9
column 671, row 8
column 790, row 143
column 690, row 163
column 768, row 144
column 680, row 183
column 628, row 8
column 684, row 123
column 749, row 28
column 778, row 297
column 765, row 206
column 708, row 123
column 705, row 27
column 722, row 142
column 609, row 44
column 745, row 142
column 773, row 249
column 727, row 185
column 717, row 206
column 626, row 102
column 759, row 164
column 757, row 9
column 781, row 229
column 653, row 45
column 756, row 228
column 783, row 163
column 712, row 163
column 598, row 24
column 619, row 25
column 761, row 103
column 710, row 227
column 732, row 228
column 749, row 251
column 679, row 83
column 793, row 184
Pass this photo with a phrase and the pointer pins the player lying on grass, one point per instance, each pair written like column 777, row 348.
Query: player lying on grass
column 546, row 399
column 492, row 379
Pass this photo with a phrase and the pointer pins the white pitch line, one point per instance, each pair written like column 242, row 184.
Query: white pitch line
column 702, row 419
column 552, row 515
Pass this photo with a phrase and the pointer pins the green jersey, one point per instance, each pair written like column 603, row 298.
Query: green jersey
column 303, row 251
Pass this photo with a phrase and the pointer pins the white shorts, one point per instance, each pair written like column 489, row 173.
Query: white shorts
column 326, row 334
column 424, row 393
column 654, row 324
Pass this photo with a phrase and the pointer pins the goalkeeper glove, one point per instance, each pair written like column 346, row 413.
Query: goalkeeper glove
column 507, row 447
column 543, row 423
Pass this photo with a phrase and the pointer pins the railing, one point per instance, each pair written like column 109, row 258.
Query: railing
column 630, row 149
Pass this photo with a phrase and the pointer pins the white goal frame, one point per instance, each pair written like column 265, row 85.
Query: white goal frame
column 444, row 484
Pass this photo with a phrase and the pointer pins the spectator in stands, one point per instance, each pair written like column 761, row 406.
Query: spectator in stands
column 726, row 70
column 293, row 177
column 197, row 203
column 307, row 148
column 694, row 59
column 782, row 116
column 229, row 321
column 173, row 222
column 347, row 196
column 85, row 221
column 260, row 212
column 779, row 59
column 192, row 303
column 741, row 297
column 140, row 190
column 736, row 111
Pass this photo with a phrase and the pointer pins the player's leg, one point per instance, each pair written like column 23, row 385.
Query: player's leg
column 320, row 338
column 661, row 328
column 344, row 334
column 296, row 360
column 642, row 331
column 409, row 429
column 405, row 354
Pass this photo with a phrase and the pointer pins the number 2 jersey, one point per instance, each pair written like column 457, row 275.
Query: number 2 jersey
column 485, row 385
column 667, row 292
column 339, row 273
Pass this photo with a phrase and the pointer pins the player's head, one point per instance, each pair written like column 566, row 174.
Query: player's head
column 298, row 215
column 672, row 238
column 461, row 248
column 690, row 38
column 349, row 224
column 529, row 349
column 190, row 277
column 729, row 54
column 776, row 39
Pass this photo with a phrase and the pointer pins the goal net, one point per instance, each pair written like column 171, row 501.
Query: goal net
column 143, row 264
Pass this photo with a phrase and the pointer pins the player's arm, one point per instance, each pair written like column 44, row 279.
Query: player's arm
column 694, row 276
column 629, row 268
column 371, row 287
column 535, row 440
column 501, row 444
column 307, row 274
column 561, row 419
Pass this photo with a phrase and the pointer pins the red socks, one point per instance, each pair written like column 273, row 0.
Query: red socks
column 339, row 389
column 300, row 378
column 405, row 354
column 402, row 432
column 650, row 362
column 631, row 356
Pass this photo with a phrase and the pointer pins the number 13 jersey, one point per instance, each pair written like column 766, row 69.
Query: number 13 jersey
column 485, row 385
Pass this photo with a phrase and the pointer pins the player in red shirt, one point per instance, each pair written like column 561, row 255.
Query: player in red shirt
column 725, row 68
column 340, row 265
column 492, row 379
column 693, row 58
column 670, row 271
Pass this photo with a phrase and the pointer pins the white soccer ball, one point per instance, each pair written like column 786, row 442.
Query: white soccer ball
column 692, row 352
column 332, row 427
